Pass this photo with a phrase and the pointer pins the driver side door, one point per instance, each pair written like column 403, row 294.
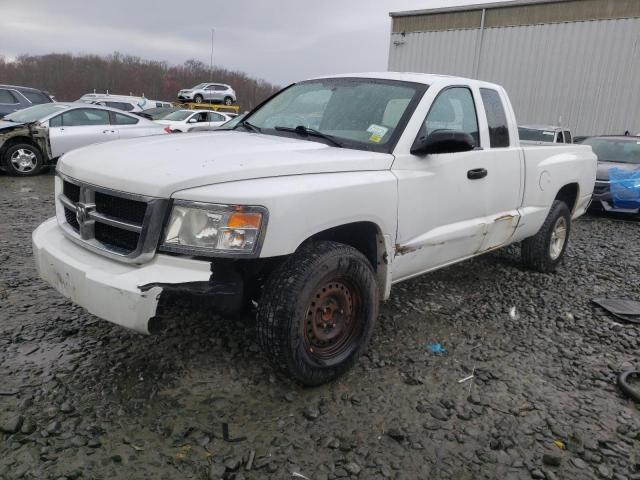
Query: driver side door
column 79, row 127
column 441, row 197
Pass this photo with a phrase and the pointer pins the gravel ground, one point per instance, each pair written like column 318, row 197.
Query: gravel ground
column 81, row 398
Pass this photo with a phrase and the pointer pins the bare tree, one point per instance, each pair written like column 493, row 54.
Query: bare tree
column 69, row 76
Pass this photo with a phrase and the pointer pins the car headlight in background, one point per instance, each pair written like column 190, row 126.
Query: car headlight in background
column 214, row 230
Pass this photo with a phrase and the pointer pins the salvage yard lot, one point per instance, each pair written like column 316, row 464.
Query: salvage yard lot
column 91, row 400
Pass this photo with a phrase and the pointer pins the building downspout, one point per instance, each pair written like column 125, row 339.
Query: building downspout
column 476, row 63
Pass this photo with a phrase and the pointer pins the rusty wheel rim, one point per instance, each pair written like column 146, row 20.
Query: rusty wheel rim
column 331, row 324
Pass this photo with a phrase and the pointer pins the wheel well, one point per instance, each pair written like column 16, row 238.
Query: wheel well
column 569, row 195
column 363, row 236
column 17, row 140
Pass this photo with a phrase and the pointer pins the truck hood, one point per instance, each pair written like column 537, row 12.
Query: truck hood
column 159, row 166
column 604, row 167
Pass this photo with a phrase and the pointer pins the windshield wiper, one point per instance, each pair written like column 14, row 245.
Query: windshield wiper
column 249, row 126
column 305, row 132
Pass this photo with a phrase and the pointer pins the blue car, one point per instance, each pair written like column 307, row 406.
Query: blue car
column 13, row 98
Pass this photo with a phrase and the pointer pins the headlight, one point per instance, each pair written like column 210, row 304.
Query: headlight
column 214, row 230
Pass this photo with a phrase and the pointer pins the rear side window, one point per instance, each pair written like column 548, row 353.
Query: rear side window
column 127, row 107
column 84, row 117
column 120, row 119
column 7, row 97
column 560, row 138
column 220, row 88
column 216, row 117
column 567, row 136
column 36, row 97
column 496, row 118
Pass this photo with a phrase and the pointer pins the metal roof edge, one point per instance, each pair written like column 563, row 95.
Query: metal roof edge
column 475, row 6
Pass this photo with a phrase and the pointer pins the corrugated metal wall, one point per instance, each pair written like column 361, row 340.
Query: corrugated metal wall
column 585, row 73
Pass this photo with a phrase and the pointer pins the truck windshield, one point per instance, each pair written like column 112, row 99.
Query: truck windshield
column 360, row 113
column 536, row 134
column 33, row 114
column 615, row 149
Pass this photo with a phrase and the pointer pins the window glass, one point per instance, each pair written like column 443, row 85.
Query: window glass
column 453, row 109
column 358, row 112
column 120, row 119
column 220, row 88
column 216, row 117
column 560, row 138
column 37, row 112
column 200, row 117
column 55, row 121
column 84, row 117
column 178, row 115
column 535, row 134
column 496, row 118
column 127, row 107
column 36, row 97
column 567, row 136
column 7, row 97
column 619, row 150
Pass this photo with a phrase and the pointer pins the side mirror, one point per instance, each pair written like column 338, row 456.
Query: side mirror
column 443, row 141
column 193, row 120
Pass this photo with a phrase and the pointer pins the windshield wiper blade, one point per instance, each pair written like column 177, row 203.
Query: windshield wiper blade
column 306, row 131
column 250, row 126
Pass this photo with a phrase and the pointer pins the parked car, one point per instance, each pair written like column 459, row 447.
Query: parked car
column 126, row 103
column 401, row 175
column 544, row 134
column 157, row 113
column 209, row 92
column 621, row 152
column 187, row 120
column 14, row 98
column 36, row 136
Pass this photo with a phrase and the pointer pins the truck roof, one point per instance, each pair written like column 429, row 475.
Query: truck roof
column 426, row 78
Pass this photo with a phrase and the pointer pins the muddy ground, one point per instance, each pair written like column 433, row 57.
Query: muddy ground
column 81, row 398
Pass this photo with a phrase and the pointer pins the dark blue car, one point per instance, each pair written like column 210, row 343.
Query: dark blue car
column 14, row 98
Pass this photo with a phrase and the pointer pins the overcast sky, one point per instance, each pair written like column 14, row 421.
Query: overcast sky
column 278, row 40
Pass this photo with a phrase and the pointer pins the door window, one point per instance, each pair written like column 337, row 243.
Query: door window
column 84, row 117
column 567, row 136
column 560, row 138
column 7, row 97
column 36, row 97
column 496, row 118
column 453, row 109
column 216, row 117
column 121, row 119
column 200, row 117
column 220, row 88
column 55, row 121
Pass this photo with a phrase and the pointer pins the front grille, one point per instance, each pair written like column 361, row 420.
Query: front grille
column 116, row 224
column 124, row 208
column 71, row 191
column 70, row 216
column 116, row 238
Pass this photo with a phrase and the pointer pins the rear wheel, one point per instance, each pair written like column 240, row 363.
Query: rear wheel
column 317, row 312
column 228, row 101
column 198, row 98
column 544, row 251
column 23, row 160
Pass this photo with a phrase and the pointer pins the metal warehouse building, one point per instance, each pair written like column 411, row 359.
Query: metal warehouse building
column 569, row 62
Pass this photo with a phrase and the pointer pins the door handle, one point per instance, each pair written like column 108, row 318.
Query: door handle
column 477, row 173
column 108, row 131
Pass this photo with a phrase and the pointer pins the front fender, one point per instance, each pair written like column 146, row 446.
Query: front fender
column 302, row 205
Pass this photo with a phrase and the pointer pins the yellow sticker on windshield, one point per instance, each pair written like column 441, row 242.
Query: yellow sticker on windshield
column 377, row 132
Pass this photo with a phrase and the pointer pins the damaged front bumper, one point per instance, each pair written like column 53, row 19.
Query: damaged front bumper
column 121, row 293
column 603, row 200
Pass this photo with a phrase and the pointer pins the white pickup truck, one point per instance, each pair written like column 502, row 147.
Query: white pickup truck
column 311, row 208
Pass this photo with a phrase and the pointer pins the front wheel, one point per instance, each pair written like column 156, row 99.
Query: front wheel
column 23, row 160
column 198, row 98
column 317, row 312
column 544, row 251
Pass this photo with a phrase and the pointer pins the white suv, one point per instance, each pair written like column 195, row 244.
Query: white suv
column 210, row 92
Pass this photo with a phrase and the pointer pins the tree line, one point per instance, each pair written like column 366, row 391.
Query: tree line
column 68, row 77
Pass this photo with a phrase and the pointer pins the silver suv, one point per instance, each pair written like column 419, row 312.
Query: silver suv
column 209, row 92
